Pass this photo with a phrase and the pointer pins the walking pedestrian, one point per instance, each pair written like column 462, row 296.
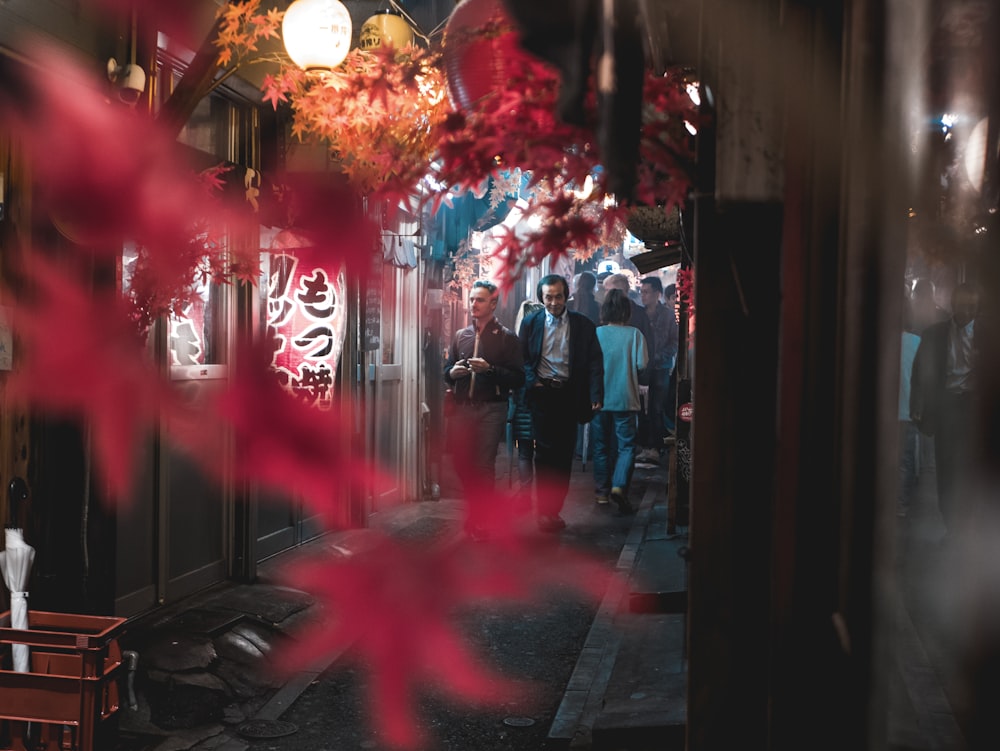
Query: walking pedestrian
column 484, row 364
column 564, row 386
column 613, row 429
column 662, row 357
column 942, row 391
column 637, row 314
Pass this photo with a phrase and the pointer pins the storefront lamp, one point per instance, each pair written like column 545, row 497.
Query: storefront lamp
column 317, row 33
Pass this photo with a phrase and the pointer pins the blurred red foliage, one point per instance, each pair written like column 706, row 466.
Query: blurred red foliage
column 106, row 175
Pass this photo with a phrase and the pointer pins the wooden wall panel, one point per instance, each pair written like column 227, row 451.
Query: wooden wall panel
column 15, row 231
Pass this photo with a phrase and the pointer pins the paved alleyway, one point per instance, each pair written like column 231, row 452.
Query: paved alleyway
column 203, row 681
column 924, row 692
column 212, row 703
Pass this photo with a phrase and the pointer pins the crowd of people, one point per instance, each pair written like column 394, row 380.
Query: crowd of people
column 588, row 358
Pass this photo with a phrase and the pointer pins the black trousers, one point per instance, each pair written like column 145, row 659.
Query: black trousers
column 554, row 423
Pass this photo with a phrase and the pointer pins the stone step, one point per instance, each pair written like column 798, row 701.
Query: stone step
column 659, row 580
column 645, row 700
column 630, row 684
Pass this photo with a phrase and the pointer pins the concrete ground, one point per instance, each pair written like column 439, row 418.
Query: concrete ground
column 204, row 681
column 607, row 675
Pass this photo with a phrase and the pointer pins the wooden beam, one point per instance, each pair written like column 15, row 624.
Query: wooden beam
column 194, row 85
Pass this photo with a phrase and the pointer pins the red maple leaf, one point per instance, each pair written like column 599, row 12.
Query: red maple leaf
column 272, row 91
column 104, row 172
column 82, row 358
column 328, row 214
column 280, row 441
column 396, row 604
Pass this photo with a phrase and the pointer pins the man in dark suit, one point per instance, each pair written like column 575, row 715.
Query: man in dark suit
column 942, row 395
column 564, row 386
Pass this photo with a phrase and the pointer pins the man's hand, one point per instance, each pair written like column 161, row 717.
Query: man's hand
column 460, row 370
column 478, row 364
column 596, row 406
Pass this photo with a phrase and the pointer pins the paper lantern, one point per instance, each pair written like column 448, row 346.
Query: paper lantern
column 476, row 64
column 385, row 27
column 317, row 33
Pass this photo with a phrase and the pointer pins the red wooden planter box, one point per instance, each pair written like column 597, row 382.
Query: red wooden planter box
column 75, row 661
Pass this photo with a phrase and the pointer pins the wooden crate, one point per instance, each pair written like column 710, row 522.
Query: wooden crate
column 72, row 687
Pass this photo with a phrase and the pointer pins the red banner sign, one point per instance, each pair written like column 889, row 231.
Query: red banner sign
column 307, row 317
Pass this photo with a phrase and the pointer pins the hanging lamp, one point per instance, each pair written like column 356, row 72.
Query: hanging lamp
column 317, row 33
column 477, row 64
column 385, row 27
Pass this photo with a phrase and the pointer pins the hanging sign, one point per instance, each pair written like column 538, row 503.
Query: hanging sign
column 307, row 316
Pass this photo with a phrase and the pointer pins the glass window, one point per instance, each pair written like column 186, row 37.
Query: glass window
column 938, row 53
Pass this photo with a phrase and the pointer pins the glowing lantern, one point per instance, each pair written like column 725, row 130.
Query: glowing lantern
column 385, row 27
column 317, row 33
column 476, row 64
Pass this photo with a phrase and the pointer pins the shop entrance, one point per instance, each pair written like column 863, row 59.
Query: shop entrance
column 173, row 535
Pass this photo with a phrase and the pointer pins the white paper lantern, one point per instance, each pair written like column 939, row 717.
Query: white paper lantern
column 317, row 33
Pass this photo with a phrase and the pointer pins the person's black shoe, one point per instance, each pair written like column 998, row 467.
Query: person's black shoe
column 624, row 507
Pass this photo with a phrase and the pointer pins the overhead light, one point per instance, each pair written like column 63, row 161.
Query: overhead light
column 317, row 33
column 583, row 193
column 693, row 94
column 975, row 154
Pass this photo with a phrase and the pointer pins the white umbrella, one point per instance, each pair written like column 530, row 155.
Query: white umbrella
column 15, row 566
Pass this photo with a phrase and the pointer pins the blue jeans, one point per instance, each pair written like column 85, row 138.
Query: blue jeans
column 612, row 434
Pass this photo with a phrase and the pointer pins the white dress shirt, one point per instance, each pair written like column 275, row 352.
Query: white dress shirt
column 554, row 360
